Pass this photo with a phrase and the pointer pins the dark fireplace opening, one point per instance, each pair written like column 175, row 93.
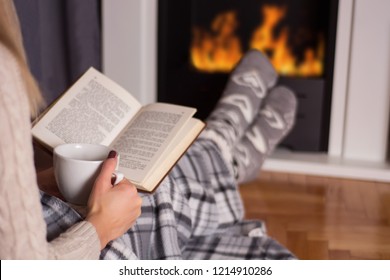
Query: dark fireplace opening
column 200, row 41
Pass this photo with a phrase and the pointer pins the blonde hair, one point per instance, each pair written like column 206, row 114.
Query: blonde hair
column 11, row 38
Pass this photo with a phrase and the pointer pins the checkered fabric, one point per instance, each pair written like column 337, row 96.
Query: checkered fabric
column 196, row 213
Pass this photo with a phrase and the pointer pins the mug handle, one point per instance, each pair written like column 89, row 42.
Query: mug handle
column 118, row 177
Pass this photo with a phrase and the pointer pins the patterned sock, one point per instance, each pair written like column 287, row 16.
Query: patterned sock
column 273, row 122
column 247, row 86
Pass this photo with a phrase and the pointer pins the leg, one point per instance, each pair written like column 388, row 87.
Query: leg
column 247, row 87
column 199, row 198
column 271, row 125
column 206, row 180
column 216, row 210
column 196, row 209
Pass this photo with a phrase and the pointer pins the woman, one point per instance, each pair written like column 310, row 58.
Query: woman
column 196, row 213
column 23, row 230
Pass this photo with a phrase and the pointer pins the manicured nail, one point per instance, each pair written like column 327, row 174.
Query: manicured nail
column 112, row 154
column 113, row 178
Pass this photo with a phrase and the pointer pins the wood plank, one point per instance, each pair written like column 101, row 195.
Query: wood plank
column 277, row 230
column 323, row 218
column 372, row 201
column 367, row 255
column 297, row 179
column 317, row 250
column 352, row 197
column 297, row 243
column 384, row 193
column 339, row 254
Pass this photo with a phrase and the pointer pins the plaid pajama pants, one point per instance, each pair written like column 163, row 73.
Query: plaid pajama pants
column 196, row 213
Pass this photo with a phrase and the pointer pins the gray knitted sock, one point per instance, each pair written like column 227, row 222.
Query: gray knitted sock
column 246, row 88
column 273, row 122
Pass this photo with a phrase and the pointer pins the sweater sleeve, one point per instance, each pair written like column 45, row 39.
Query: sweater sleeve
column 22, row 227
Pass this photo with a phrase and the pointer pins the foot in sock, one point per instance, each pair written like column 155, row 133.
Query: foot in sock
column 247, row 86
column 273, row 122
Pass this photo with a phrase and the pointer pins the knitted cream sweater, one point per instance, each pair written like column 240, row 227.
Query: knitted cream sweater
column 22, row 227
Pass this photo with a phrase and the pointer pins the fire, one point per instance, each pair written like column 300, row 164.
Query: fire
column 220, row 49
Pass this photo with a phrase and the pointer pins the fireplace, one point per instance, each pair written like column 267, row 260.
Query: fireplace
column 358, row 136
column 200, row 41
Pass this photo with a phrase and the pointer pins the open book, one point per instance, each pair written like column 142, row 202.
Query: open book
column 150, row 139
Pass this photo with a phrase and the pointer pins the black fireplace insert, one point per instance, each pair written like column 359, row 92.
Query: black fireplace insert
column 200, row 41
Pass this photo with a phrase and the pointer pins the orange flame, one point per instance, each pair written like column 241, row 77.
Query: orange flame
column 220, row 50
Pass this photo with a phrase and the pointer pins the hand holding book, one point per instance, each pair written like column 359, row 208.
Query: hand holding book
column 150, row 139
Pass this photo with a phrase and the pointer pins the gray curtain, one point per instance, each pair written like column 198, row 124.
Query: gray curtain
column 62, row 40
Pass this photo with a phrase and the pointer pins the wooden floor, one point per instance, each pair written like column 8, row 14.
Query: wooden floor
column 322, row 218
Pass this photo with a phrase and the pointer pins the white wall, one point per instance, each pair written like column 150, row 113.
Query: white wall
column 129, row 45
column 368, row 98
column 340, row 78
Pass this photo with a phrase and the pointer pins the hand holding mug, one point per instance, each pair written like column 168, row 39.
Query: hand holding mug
column 84, row 175
column 112, row 210
column 76, row 167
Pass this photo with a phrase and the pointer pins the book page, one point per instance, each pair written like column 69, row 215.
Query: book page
column 94, row 110
column 173, row 153
column 143, row 142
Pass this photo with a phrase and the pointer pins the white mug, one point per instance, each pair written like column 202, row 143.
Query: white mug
column 76, row 167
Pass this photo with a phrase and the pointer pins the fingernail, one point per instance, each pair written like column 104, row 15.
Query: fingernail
column 113, row 178
column 112, row 154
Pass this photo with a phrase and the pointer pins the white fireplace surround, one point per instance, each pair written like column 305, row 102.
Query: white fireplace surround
column 358, row 140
